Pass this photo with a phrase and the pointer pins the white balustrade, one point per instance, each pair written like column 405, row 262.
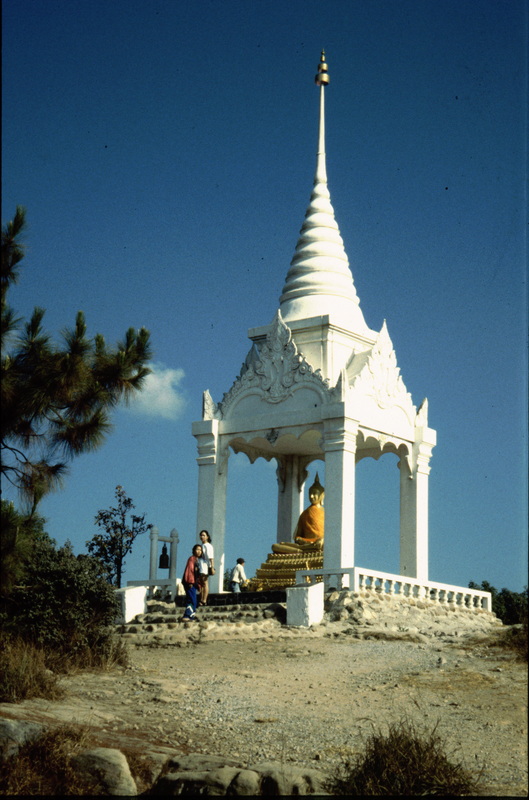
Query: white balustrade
column 363, row 580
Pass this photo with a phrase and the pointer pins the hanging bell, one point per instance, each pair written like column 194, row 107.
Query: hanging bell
column 164, row 558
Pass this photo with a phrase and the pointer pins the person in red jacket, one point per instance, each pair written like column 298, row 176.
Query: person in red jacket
column 191, row 581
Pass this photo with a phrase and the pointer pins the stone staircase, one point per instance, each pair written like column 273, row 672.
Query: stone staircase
column 227, row 616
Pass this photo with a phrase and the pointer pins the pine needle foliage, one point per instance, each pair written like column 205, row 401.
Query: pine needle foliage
column 56, row 399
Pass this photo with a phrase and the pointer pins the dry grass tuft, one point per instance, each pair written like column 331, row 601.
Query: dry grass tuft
column 142, row 768
column 104, row 655
column 403, row 762
column 515, row 638
column 510, row 639
column 29, row 670
column 25, row 673
column 43, row 767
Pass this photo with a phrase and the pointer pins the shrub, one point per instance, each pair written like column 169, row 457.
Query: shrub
column 24, row 672
column 403, row 762
column 19, row 531
column 65, row 606
column 518, row 640
column 510, row 607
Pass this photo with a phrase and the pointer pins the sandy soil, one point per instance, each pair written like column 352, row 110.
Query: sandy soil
column 309, row 700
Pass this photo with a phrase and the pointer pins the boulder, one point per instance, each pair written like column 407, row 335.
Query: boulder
column 16, row 733
column 201, row 774
column 109, row 767
column 195, row 782
column 285, row 779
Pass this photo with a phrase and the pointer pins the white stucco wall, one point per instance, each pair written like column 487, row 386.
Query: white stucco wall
column 132, row 600
column 305, row 605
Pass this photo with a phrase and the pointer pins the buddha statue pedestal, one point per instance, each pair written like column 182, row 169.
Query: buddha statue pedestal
column 279, row 569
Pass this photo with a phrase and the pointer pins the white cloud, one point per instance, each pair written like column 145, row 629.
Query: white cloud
column 161, row 395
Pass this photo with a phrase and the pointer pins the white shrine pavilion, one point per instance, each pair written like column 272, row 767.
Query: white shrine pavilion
column 318, row 383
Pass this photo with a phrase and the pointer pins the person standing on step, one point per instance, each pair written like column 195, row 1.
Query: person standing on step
column 238, row 576
column 191, row 581
column 206, row 566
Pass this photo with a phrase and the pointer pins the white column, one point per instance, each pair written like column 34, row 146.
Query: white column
column 172, row 554
column 153, row 560
column 414, row 512
column 339, row 444
column 211, row 505
column 290, row 482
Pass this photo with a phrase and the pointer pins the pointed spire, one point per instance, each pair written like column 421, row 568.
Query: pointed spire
column 322, row 79
column 319, row 280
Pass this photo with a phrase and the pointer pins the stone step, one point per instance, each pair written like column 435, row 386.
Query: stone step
column 163, row 621
column 181, row 633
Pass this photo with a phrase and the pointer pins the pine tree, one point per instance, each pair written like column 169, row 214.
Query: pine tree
column 56, row 399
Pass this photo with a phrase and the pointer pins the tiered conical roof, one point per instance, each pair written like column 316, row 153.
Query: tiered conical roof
column 319, row 281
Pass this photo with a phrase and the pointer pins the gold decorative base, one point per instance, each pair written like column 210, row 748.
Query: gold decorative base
column 279, row 570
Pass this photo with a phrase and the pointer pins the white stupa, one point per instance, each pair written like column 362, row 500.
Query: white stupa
column 318, row 383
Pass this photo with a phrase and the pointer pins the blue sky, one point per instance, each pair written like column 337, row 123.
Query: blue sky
column 165, row 152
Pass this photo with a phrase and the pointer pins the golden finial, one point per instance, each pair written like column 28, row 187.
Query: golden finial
column 322, row 78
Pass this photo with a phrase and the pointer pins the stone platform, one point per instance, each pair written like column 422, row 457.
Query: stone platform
column 261, row 615
column 371, row 614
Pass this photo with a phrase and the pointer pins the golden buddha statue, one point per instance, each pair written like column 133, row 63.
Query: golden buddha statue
column 305, row 552
column 308, row 535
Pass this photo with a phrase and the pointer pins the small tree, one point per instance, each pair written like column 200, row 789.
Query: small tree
column 115, row 544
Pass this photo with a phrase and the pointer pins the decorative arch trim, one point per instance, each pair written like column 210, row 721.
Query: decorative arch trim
column 373, row 445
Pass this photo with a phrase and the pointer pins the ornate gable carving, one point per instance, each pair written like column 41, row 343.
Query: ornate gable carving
column 276, row 369
column 422, row 414
column 377, row 375
column 210, row 409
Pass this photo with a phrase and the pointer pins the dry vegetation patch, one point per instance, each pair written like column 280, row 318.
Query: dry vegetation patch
column 25, row 673
column 461, row 680
column 404, row 762
column 42, row 767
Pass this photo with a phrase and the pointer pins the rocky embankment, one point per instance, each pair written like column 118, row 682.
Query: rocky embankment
column 240, row 704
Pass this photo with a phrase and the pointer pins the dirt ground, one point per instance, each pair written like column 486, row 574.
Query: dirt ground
column 307, row 700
